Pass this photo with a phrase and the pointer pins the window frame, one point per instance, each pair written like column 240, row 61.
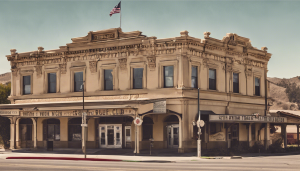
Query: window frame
column 22, row 74
column 53, row 69
column 48, row 82
column 133, row 78
column 167, row 62
column 164, row 77
column 238, row 83
column 114, row 69
column 104, row 80
column 255, row 86
column 72, row 75
column 215, row 82
column 197, row 75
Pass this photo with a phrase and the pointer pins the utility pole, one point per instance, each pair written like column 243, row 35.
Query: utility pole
column 199, row 128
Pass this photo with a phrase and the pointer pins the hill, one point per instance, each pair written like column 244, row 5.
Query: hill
column 5, row 78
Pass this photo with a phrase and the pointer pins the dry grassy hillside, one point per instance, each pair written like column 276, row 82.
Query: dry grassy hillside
column 5, row 78
column 277, row 93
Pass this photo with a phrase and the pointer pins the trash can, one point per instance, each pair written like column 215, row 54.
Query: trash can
column 49, row 145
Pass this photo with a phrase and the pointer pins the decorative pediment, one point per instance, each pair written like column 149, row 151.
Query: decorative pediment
column 234, row 39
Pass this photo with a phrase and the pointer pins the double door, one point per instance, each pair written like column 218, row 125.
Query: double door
column 173, row 135
column 110, row 135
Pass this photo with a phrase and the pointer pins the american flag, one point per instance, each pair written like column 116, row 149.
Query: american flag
column 116, row 9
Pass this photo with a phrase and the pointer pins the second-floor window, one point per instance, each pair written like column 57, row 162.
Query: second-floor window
column 27, row 84
column 257, row 86
column 194, row 77
column 78, row 81
column 236, row 82
column 212, row 79
column 138, row 78
column 168, row 76
column 108, row 79
column 51, row 82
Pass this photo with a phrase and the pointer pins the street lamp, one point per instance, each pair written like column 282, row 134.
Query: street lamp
column 83, row 125
column 199, row 127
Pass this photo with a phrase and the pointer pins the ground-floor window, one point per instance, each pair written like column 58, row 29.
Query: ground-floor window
column 215, row 128
column 74, row 129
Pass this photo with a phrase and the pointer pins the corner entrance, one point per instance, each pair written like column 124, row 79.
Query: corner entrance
column 110, row 135
column 173, row 135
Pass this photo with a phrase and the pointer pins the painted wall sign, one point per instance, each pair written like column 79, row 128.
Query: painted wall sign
column 160, row 107
column 78, row 113
column 9, row 112
column 220, row 136
column 246, row 118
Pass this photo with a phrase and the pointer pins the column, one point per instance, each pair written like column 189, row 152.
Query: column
column 249, row 134
column 12, row 132
column 267, row 135
column 180, row 150
column 284, row 134
column 298, row 135
column 138, row 139
column 34, row 121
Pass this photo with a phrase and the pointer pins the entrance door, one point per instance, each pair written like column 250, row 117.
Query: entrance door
column 26, row 135
column 173, row 135
column 235, row 135
column 127, row 136
column 110, row 135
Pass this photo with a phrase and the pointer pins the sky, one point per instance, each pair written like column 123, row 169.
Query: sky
column 25, row 25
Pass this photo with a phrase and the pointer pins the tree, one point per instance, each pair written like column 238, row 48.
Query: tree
column 4, row 121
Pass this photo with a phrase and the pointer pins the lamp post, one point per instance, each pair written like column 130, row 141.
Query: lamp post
column 83, row 125
column 199, row 128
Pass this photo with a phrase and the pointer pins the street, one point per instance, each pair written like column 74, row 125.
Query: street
column 291, row 162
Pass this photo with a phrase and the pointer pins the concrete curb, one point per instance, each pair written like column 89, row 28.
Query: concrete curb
column 63, row 158
column 90, row 159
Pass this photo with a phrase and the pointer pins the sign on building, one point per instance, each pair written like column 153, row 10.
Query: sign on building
column 160, row 107
column 246, row 118
column 9, row 112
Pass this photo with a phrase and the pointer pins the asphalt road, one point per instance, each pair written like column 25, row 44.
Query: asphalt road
column 273, row 163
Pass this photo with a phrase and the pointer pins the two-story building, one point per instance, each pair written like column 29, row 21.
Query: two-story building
column 128, row 75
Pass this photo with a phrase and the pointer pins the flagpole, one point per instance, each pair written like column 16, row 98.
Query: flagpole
column 120, row 13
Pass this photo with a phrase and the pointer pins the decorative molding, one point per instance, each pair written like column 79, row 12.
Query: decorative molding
column 38, row 70
column 123, row 63
column 93, row 66
column 151, row 62
column 15, row 71
column 63, row 68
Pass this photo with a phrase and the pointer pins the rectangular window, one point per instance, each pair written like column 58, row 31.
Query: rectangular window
column 168, row 76
column 194, row 77
column 257, row 86
column 236, row 82
column 138, row 78
column 27, row 84
column 108, row 79
column 51, row 82
column 78, row 81
column 212, row 79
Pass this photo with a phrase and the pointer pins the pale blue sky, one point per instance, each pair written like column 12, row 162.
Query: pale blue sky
column 25, row 25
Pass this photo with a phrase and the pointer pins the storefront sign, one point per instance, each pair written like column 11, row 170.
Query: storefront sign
column 9, row 112
column 138, row 121
column 160, row 107
column 220, row 136
column 78, row 113
column 246, row 118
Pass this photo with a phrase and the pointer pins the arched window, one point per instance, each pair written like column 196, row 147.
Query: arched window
column 74, row 127
column 147, row 128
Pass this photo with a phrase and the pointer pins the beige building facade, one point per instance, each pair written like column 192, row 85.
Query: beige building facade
column 128, row 75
